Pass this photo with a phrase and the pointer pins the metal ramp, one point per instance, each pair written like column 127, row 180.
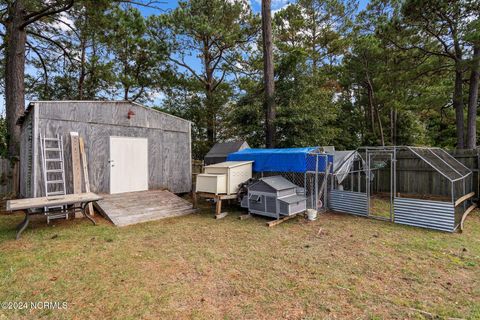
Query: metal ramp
column 124, row 209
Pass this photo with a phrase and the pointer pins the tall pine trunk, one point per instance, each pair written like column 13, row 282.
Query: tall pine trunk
column 81, row 78
column 15, row 41
column 473, row 100
column 211, row 115
column 268, row 74
column 458, row 105
column 209, row 94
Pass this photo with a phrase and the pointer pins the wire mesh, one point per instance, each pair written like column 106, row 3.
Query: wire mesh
column 310, row 182
column 442, row 162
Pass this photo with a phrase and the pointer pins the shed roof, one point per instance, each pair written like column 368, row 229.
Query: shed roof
column 222, row 149
column 278, row 183
column 33, row 103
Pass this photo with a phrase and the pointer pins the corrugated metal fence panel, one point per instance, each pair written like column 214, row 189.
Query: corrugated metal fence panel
column 348, row 202
column 425, row 213
column 6, row 181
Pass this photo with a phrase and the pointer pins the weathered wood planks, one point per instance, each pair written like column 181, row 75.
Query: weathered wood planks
column 86, row 179
column 464, row 198
column 29, row 203
column 76, row 162
column 129, row 208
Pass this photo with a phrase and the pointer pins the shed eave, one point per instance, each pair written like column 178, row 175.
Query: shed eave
column 105, row 102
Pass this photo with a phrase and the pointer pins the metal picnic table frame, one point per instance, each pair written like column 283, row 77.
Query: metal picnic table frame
column 78, row 203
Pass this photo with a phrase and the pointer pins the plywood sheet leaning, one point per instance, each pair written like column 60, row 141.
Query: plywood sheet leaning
column 76, row 164
column 85, row 172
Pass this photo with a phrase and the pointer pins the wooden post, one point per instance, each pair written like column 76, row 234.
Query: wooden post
column 194, row 193
column 218, row 206
column 76, row 165
column 194, row 200
column 85, row 173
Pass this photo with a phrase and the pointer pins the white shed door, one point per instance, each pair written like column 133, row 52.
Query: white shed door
column 128, row 164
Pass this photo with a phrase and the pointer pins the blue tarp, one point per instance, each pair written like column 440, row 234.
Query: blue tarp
column 282, row 160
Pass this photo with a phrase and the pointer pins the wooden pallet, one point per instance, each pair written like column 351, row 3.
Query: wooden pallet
column 129, row 208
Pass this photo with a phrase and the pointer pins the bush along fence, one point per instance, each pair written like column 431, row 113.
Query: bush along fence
column 7, row 186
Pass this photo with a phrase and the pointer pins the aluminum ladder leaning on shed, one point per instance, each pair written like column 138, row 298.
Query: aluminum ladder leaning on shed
column 53, row 173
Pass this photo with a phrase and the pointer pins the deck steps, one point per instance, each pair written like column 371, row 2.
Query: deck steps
column 125, row 209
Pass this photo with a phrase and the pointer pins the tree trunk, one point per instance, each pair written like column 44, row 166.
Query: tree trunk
column 371, row 105
column 393, row 126
column 209, row 85
column 268, row 74
column 380, row 126
column 473, row 100
column 371, row 110
column 81, row 78
column 15, row 41
column 458, row 105
column 211, row 117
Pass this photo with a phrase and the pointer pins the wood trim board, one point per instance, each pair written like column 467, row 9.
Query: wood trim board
column 76, row 163
column 85, row 172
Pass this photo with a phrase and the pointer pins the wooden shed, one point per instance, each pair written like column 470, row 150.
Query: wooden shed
column 119, row 131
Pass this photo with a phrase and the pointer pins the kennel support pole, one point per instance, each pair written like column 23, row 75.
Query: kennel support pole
column 316, row 183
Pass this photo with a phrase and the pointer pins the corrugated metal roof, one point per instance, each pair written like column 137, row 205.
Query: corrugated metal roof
column 278, row 183
column 292, row 199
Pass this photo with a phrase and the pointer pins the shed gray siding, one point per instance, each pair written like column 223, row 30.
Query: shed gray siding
column 169, row 155
column 26, row 156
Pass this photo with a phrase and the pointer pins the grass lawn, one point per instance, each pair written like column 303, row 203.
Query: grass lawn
column 338, row 267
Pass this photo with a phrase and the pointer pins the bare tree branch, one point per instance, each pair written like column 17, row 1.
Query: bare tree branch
column 44, row 66
column 47, row 11
column 68, row 26
column 53, row 42
column 183, row 64
column 148, row 4
column 219, row 81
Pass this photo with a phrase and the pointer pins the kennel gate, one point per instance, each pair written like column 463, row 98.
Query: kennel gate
column 354, row 195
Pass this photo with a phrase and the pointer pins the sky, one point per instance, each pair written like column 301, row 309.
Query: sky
column 167, row 5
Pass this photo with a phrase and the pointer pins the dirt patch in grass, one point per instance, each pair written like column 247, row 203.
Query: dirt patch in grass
column 338, row 267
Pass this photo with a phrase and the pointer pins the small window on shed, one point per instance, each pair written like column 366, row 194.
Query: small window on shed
column 256, row 197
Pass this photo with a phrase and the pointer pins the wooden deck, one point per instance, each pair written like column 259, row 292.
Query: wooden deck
column 124, row 209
